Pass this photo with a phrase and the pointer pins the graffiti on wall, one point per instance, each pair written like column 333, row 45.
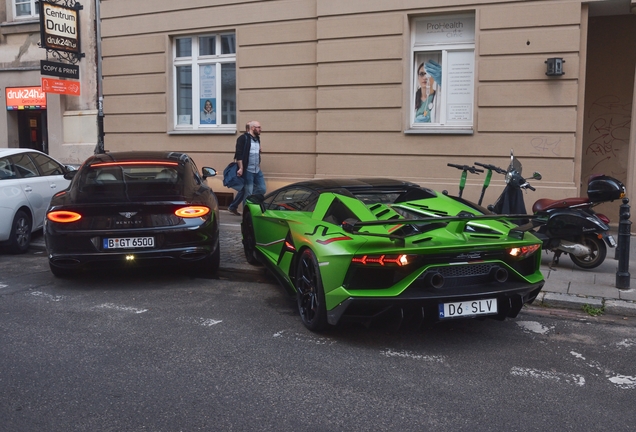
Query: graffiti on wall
column 606, row 143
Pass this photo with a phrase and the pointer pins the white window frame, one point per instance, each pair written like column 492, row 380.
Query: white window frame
column 195, row 61
column 35, row 10
column 440, row 50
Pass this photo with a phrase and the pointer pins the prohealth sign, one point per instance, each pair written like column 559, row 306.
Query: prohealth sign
column 59, row 27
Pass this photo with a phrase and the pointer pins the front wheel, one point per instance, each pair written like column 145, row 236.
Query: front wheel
column 598, row 251
column 310, row 293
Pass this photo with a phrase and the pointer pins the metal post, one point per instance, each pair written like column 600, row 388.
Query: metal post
column 624, row 233
column 99, row 148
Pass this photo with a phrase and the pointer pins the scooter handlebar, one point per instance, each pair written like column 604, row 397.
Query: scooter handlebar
column 472, row 169
column 526, row 185
column 491, row 168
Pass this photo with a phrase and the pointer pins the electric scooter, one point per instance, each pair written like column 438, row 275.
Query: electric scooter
column 465, row 169
column 565, row 225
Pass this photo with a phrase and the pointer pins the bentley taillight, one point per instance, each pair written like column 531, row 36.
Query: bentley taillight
column 192, row 211
column 63, row 216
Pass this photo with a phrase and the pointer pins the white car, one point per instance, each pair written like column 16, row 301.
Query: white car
column 28, row 180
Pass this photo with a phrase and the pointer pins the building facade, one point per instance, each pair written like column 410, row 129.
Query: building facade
column 379, row 88
column 63, row 126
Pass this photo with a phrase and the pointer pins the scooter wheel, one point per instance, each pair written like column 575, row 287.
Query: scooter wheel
column 598, row 251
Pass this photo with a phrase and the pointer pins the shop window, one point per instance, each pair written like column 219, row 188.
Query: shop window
column 205, row 82
column 443, row 70
column 23, row 9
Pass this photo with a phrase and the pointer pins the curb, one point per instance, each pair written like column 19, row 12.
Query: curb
column 570, row 301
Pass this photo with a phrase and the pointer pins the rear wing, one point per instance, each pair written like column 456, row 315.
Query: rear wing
column 459, row 222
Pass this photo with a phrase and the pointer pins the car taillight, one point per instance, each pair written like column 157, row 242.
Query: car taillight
column 384, row 260
column 63, row 216
column 523, row 251
column 192, row 211
column 604, row 218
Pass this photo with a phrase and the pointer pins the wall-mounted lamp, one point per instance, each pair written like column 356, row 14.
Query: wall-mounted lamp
column 555, row 66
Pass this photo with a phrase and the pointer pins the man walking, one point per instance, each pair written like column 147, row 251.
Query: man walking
column 248, row 158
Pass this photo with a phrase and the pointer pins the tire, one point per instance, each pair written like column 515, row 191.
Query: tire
column 209, row 266
column 599, row 251
column 310, row 293
column 20, row 236
column 61, row 272
column 249, row 239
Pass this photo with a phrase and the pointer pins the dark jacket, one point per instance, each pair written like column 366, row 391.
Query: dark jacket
column 242, row 152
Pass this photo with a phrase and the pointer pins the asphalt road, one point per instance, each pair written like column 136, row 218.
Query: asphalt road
column 162, row 351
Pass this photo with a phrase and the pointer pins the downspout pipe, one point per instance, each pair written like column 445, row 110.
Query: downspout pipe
column 99, row 148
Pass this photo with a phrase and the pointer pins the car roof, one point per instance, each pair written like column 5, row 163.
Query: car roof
column 14, row 150
column 355, row 184
column 126, row 156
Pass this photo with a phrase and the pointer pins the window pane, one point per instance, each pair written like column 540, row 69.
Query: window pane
column 184, row 95
column 207, row 45
column 207, row 94
column 24, row 166
column 23, row 8
column 228, row 93
column 47, row 165
column 184, row 47
column 228, row 44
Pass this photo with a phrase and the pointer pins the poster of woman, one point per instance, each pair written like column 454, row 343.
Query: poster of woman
column 208, row 115
column 428, row 76
column 207, row 94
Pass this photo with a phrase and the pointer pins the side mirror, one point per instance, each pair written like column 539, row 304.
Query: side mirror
column 208, row 172
column 70, row 174
column 536, row 175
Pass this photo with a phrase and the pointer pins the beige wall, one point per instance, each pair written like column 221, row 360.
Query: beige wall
column 329, row 81
column 608, row 101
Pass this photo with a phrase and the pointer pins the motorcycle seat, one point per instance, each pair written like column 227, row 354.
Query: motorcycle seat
column 547, row 204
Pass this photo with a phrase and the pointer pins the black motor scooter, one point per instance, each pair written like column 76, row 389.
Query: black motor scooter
column 565, row 225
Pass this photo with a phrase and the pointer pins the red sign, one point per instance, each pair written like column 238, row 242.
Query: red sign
column 50, row 85
column 24, row 98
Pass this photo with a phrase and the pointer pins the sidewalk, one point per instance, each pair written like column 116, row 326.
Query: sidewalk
column 566, row 286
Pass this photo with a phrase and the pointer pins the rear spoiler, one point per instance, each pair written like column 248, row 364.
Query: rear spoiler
column 353, row 226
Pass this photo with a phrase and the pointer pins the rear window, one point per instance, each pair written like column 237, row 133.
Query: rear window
column 132, row 180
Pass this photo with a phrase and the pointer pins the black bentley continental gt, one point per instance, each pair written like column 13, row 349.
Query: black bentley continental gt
column 130, row 209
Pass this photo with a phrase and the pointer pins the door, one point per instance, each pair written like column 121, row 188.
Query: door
column 32, row 130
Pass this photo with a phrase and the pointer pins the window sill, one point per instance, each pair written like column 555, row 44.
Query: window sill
column 468, row 130
column 224, row 131
column 17, row 27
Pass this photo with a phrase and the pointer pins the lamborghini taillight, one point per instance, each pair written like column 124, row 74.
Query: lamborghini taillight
column 383, row 260
column 522, row 252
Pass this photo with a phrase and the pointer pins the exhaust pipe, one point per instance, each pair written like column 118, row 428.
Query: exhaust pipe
column 499, row 274
column 435, row 280
column 575, row 249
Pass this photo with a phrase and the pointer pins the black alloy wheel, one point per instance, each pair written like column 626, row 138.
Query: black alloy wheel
column 310, row 293
column 20, row 236
column 598, row 251
column 249, row 239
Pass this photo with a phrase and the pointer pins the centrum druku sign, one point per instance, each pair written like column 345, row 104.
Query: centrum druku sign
column 59, row 27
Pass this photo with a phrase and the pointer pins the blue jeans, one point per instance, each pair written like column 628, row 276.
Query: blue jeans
column 254, row 184
column 240, row 195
